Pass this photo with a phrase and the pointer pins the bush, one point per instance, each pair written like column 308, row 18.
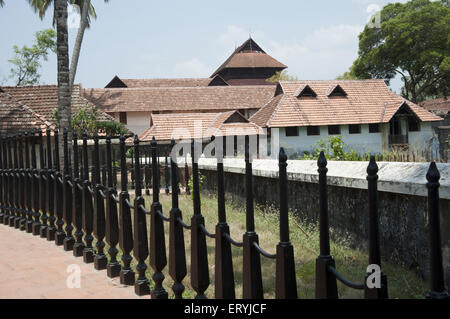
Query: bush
column 334, row 148
column 201, row 179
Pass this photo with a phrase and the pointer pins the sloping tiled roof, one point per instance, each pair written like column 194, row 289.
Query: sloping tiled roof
column 180, row 99
column 367, row 101
column 437, row 106
column 250, row 55
column 43, row 99
column 198, row 125
column 16, row 117
column 180, row 82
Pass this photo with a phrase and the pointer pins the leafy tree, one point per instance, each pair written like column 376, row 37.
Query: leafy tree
column 66, row 75
column 281, row 76
column 85, row 120
column 27, row 60
column 412, row 41
column 349, row 75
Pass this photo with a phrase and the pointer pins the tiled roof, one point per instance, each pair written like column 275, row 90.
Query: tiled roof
column 180, row 99
column 198, row 125
column 43, row 99
column 180, row 82
column 437, row 106
column 16, row 117
column 250, row 55
column 367, row 101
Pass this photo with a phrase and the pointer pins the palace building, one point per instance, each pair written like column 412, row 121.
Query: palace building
column 368, row 116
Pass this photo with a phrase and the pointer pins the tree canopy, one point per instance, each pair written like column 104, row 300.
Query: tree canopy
column 413, row 41
column 281, row 76
column 27, row 60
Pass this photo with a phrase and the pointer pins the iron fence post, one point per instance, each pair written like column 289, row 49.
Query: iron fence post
column 112, row 223
column 88, row 251
column 286, row 283
column 127, row 275
column 251, row 273
column 140, row 248
column 100, row 260
column 326, row 285
column 68, row 241
column 199, row 253
column 374, row 235
column 29, row 178
column 177, row 252
column 224, row 275
column 158, row 259
column 77, row 201
column 51, row 229
column 437, row 285
column 59, row 194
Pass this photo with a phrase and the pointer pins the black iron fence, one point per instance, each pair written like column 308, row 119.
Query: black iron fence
column 79, row 203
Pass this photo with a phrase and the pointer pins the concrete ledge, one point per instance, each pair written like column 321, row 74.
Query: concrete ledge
column 394, row 177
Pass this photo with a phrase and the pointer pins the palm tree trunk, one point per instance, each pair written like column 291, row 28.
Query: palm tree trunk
column 78, row 41
column 64, row 91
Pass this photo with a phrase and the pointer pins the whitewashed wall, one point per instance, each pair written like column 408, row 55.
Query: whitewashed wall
column 362, row 142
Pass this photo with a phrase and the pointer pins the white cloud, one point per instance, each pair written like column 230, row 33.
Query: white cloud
column 191, row 68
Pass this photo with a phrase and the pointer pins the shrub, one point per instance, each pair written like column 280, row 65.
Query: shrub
column 201, row 179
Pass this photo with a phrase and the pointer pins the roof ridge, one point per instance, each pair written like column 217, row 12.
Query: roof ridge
column 276, row 109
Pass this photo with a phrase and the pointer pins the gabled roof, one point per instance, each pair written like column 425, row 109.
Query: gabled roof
column 178, row 99
column 16, row 117
column 250, row 55
column 176, row 82
column 43, row 100
column 198, row 125
column 367, row 101
column 117, row 82
column 437, row 106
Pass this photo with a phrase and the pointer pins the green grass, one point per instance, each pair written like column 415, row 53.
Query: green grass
column 351, row 263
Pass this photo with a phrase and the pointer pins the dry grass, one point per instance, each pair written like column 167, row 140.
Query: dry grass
column 351, row 263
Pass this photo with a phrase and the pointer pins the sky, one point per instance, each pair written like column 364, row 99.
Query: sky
column 317, row 40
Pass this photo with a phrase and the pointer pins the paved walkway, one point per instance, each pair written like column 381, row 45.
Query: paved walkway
column 32, row 267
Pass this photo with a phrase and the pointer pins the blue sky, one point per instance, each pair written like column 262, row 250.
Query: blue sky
column 165, row 39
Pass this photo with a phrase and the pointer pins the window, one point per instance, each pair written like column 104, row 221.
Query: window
column 354, row 129
column 413, row 125
column 334, row 129
column 374, row 128
column 312, row 130
column 292, row 131
column 123, row 117
column 305, row 92
column 336, row 91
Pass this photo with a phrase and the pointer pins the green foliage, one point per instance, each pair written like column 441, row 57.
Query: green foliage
column 130, row 152
column 349, row 75
column 412, row 41
column 335, row 149
column 201, row 179
column 27, row 60
column 85, row 119
column 281, row 76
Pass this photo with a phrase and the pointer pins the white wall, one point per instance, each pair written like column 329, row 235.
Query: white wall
column 138, row 122
column 361, row 143
column 421, row 139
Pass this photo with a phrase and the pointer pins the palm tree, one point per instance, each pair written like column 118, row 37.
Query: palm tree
column 87, row 11
column 66, row 75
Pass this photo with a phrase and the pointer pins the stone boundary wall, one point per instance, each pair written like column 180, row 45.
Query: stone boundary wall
column 402, row 202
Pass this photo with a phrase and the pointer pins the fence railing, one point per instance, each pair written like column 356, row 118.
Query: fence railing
column 81, row 202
